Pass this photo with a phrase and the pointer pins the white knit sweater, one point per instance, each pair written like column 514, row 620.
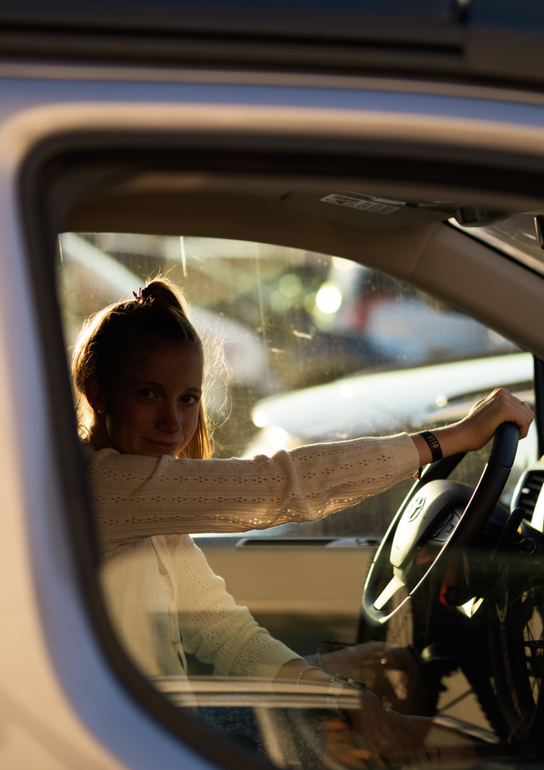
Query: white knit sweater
column 162, row 596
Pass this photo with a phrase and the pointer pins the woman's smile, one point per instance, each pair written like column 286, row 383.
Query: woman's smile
column 166, row 447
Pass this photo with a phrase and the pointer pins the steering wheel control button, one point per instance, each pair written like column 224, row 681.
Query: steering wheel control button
column 451, row 526
column 438, row 530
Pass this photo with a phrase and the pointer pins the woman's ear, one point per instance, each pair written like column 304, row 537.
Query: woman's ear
column 95, row 395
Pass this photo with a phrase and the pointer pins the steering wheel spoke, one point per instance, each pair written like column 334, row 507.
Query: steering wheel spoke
column 394, row 585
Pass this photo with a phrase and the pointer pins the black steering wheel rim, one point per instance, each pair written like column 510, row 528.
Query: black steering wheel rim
column 478, row 509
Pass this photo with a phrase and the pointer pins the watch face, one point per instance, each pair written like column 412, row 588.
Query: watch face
column 335, row 687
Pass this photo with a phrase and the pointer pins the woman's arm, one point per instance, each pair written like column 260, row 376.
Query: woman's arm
column 136, row 497
column 213, row 627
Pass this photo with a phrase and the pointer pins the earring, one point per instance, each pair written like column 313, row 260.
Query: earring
column 99, row 411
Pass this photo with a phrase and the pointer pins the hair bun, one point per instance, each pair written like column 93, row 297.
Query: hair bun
column 162, row 292
column 148, row 291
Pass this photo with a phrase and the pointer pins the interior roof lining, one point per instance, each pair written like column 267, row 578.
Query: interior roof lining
column 435, row 257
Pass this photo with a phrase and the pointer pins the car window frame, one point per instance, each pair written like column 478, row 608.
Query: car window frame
column 43, row 218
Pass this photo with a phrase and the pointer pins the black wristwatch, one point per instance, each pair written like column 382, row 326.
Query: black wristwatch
column 336, row 686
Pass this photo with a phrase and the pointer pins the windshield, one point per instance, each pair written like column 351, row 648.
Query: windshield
column 515, row 236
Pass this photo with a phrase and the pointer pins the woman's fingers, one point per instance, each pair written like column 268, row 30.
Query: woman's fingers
column 391, row 738
column 500, row 406
column 415, row 748
column 341, row 750
column 479, row 426
column 391, row 673
column 433, row 752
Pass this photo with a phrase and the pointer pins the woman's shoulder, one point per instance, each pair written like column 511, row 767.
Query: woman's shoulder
column 89, row 452
column 108, row 462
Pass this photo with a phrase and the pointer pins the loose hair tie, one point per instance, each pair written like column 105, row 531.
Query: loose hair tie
column 145, row 293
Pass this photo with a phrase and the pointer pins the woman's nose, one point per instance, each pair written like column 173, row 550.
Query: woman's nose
column 169, row 418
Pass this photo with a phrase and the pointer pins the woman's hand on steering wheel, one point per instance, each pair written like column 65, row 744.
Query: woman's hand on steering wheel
column 479, row 426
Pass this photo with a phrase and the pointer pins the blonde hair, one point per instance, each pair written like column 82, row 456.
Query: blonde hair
column 157, row 313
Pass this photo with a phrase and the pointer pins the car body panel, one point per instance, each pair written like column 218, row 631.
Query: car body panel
column 300, row 599
column 472, row 41
column 55, row 671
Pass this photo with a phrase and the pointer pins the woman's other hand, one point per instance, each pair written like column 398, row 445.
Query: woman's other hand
column 389, row 737
column 391, row 673
column 479, row 426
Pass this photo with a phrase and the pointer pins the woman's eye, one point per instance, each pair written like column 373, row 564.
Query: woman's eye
column 189, row 399
column 147, row 394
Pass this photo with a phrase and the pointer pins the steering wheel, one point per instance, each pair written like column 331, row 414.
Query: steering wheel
column 441, row 514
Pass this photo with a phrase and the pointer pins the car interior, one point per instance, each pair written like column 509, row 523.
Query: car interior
column 352, row 292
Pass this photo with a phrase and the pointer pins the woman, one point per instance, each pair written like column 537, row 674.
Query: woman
column 138, row 369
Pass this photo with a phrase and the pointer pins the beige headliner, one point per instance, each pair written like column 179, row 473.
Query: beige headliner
column 443, row 261
column 469, row 275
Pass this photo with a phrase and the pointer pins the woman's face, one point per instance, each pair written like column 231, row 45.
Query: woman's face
column 153, row 404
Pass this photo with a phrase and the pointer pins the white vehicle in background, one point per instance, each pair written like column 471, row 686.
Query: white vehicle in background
column 384, row 403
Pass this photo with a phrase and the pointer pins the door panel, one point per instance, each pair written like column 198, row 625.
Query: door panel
column 302, row 592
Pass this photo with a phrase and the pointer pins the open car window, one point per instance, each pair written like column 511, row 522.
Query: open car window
column 307, row 348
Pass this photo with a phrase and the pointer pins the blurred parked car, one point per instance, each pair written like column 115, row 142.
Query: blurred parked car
column 383, row 403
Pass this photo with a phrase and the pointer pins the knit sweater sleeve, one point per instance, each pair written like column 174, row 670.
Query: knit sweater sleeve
column 136, row 496
column 214, row 627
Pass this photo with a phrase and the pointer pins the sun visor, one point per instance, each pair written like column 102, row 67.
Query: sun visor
column 363, row 210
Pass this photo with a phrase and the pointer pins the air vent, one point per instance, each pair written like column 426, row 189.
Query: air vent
column 529, row 492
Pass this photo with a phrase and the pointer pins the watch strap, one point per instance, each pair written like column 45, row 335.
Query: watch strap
column 433, row 444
